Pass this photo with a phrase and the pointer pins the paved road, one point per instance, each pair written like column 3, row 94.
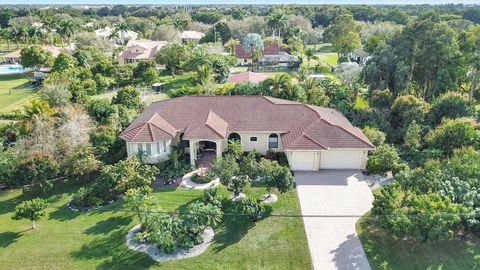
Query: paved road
column 333, row 241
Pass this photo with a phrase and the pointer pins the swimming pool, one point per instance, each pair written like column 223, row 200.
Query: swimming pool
column 12, row 69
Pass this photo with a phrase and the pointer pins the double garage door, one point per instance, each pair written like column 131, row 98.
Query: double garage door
column 331, row 159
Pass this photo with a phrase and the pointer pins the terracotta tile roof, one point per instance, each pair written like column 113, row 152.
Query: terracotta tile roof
column 52, row 49
column 214, row 117
column 247, row 77
column 150, row 49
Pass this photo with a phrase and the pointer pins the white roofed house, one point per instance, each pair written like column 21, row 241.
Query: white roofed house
column 194, row 36
column 359, row 55
column 140, row 50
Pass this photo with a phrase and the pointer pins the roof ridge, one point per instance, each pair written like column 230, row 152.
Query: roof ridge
column 350, row 133
column 210, row 126
column 314, row 141
column 151, row 131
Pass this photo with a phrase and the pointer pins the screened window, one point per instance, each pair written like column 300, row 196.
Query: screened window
column 140, row 147
column 273, row 141
column 253, row 139
column 149, row 149
column 164, row 146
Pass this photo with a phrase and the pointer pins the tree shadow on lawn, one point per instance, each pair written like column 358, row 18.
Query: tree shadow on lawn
column 63, row 214
column 106, row 226
column 232, row 228
column 113, row 249
column 350, row 254
column 8, row 238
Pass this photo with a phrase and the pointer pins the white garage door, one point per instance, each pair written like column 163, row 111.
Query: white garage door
column 303, row 161
column 341, row 159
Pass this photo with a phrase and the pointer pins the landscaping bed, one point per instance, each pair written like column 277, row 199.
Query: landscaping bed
column 73, row 240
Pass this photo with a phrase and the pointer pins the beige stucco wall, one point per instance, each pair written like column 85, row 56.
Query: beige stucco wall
column 261, row 145
column 132, row 150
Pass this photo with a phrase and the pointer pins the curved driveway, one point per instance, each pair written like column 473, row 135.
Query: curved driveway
column 333, row 241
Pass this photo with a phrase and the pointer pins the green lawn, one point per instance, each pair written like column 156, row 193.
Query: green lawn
column 15, row 91
column 384, row 252
column 96, row 240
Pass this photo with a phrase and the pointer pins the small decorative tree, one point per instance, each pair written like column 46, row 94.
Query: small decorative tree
column 32, row 210
column 275, row 176
column 139, row 200
column 253, row 209
column 225, row 168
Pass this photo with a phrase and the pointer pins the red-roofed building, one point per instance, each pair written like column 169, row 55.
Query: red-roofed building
column 312, row 137
column 140, row 50
column 247, row 77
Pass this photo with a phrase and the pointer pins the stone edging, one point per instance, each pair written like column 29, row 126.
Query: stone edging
column 154, row 253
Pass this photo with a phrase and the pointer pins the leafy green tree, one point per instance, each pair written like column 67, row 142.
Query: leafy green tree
column 275, row 176
column 225, row 169
column 129, row 97
column 452, row 105
column 32, row 210
column 374, row 135
column 35, row 57
column 172, row 56
column 143, row 66
column 203, row 215
column 407, row 109
column 454, row 133
column 344, row 35
column 253, row 209
column 63, row 63
column 150, row 76
column 380, row 98
column 39, row 169
column 412, row 141
column 249, row 165
column 80, row 162
column 277, row 21
column 382, row 159
column 309, row 54
column 129, row 173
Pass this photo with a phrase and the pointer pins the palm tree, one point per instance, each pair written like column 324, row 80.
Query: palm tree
column 68, row 29
column 277, row 21
column 180, row 21
column 302, row 74
column 279, row 84
column 50, row 25
column 35, row 32
column 122, row 29
column 7, row 34
column 309, row 53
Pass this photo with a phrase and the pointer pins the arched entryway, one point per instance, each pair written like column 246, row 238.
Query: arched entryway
column 234, row 136
column 205, row 152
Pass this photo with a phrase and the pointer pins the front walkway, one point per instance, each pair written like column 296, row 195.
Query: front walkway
column 206, row 158
column 341, row 197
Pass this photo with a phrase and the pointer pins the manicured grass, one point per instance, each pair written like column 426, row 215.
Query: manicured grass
column 96, row 240
column 15, row 91
column 384, row 252
column 329, row 58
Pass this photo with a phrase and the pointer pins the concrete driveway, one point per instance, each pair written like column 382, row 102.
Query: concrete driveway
column 333, row 241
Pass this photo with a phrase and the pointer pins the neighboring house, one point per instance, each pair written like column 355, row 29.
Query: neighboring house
column 312, row 137
column 247, row 77
column 360, row 56
column 139, row 50
column 273, row 58
column 125, row 34
column 14, row 57
column 194, row 36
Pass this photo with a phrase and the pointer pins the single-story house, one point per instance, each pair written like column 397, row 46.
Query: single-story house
column 140, row 50
column 273, row 57
column 359, row 55
column 313, row 138
column 248, row 76
column 14, row 57
column 194, row 36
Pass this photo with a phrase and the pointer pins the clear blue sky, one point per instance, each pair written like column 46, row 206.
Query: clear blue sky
column 213, row 2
